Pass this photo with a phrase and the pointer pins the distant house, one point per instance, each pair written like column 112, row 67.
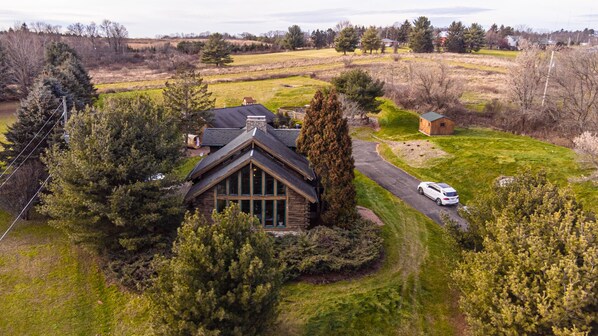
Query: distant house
column 257, row 168
column 432, row 123
column 249, row 101
column 512, row 42
column 388, row 42
column 441, row 38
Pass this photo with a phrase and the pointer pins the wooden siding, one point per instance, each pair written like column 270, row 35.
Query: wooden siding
column 442, row 126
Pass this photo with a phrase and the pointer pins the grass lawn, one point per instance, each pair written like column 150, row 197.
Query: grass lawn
column 49, row 287
column 272, row 93
column 409, row 295
column 498, row 53
column 478, row 156
column 7, row 116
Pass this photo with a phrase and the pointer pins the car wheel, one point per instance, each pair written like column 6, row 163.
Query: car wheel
column 438, row 201
column 420, row 190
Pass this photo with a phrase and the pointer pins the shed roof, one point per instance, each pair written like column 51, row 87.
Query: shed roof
column 236, row 117
column 262, row 161
column 432, row 116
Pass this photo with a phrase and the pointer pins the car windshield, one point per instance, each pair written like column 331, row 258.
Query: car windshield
column 450, row 193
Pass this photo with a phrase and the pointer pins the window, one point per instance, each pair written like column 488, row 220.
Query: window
column 281, row 209
column 269, row 185
column 245, row 181
column 281, row 189
column 246, row 206
column 257, row 209
column 269, row 213
column 256, row 193
column 221, row 188
column 220, row 205
column 233, row 184
column 257, row 181
column 442, row 124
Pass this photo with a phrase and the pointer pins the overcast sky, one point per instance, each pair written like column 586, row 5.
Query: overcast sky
column 152, row 17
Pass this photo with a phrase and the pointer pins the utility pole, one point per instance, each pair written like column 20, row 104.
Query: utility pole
column 65, row 115
column 547, row 78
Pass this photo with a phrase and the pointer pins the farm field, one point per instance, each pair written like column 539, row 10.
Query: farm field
column 48, row 287
column 475, row 157
column 7, row 116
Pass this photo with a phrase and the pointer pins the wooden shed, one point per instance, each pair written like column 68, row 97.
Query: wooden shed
column 432, row 123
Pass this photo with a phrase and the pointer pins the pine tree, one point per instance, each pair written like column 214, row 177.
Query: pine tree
column 404, row 32
column 4, row 77
column 216, row 51
column 346, row 40
column 421, row 37
column 104, row 191
column 370, row 40
column 475, row 38
column 294, row 38
column 455, row 41
column 63, row 63
column 38, row 124
column 223, row 278
column 325, row 140
column 536, row 271
column 360, row 87
column 188, row 97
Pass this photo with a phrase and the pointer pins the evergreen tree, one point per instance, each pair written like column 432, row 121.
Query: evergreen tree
column 370, row 40
column 223, row 278
column 421, row 37
column 404, row 32
column 39, row 122
column 105, row 190
column 318, row 38
column 63, row 63
column 346, row 40
column 455, row 41
column 187, row 96
column 536, row 271
column 326, row 142
column 4, row 77
column 474, row 38
column 216, row 51
column 294, row 38
column 360, row 87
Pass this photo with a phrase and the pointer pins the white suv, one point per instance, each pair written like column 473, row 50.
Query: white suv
column 441, row 193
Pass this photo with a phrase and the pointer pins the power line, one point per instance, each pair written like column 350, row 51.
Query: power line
column 25, row 208
column 23, row 162
column 30, row 141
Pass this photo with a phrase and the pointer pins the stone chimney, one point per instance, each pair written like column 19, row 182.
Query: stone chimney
column 258, row 122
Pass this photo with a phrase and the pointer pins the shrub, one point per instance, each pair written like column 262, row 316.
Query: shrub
column 330, row 249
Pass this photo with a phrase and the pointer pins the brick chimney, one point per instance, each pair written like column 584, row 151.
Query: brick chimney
column 258, row 122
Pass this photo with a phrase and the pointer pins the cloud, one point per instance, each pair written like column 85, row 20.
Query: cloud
column 435, row 11
column 314, row 16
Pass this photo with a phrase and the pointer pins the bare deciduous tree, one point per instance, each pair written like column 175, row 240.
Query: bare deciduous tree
column 586, row 145
column 115, row 33
column 24, row 56
column 351, row 108
column 92, row 32
column 17, row 191
column 576, row 91
column 433, row 87
column 77, row 29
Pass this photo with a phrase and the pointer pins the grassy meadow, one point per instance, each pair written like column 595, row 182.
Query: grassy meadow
column 477, row 156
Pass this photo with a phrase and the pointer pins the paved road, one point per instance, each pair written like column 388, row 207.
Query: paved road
column 397, row 181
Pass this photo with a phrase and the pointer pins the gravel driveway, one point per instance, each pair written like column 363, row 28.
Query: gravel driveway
column 398, row 182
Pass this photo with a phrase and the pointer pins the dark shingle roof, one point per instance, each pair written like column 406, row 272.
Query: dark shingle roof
column 267, row 142
column 236, row 117
column 432, row 116
column 220, row 136
column 286, row 136
column 264, row 163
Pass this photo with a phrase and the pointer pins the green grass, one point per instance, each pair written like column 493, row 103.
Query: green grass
column 272, row 93
column 186, row 166
column 49, row 287
column 7, row 116
column 478, row 156
column 409, row 295
column 498, row 53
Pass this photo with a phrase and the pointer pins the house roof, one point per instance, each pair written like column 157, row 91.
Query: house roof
column 236, row 117
column 219, row 137
column 432, row 116
column 265, row 163
column 267, row 142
